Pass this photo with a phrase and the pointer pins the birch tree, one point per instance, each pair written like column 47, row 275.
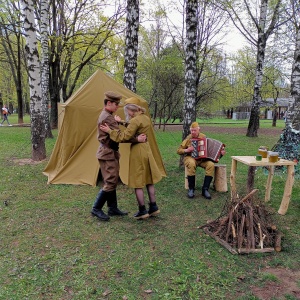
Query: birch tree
column 293, row 117
column 36, row 104
column 288, row 145
column 131, row 44
column 190, row 91
column 264, row 18
column 44, row 11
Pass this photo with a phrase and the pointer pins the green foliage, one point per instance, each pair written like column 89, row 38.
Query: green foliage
column 161, row 74
column 51, row 248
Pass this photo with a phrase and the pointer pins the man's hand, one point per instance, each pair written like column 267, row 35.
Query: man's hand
column 189, row 149
column 104, row 127
column 142, row 138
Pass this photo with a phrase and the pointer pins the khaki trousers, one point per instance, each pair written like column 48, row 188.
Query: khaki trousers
column 191, row 165
column 110, row 174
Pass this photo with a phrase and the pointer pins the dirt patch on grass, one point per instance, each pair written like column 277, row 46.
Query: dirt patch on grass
column 284, row 282
column 26, row 161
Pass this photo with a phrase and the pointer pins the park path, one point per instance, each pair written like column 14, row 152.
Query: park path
column 234, row 130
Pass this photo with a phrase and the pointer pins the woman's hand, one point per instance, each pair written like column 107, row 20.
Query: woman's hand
column 117, row 118
column 104, row 127
column 142, row 138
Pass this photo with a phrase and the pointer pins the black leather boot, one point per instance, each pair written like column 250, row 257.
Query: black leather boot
column 142, row 213
column 98, row 205
column 205, row 187
column 153, row 209
column 112, row 204
column 191, row 182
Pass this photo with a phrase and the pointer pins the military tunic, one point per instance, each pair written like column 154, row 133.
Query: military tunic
column 108, row 152
column 190, row 163
column 143, row 169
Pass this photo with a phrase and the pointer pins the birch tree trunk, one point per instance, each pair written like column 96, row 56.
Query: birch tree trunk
column 131, row 44
column 36, row 105
column 190, row 66
column 265, row 18
column 55, row 61
column 45, row 65
column 294, row 112
column 288, row 145
column 253, row 125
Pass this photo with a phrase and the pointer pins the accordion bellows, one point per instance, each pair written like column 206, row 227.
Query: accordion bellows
column 207, row 148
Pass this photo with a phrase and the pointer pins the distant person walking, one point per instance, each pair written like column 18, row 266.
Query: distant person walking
column 5, row 113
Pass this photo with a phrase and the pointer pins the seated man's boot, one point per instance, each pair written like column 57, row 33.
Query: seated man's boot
column 205, row 187
column 98, row 205
column 191, row 183
column 112, row 204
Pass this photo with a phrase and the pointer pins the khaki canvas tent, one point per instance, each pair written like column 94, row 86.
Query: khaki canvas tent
column 73, row 160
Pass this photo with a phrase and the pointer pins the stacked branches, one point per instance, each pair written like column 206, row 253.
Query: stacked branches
column 245, row 228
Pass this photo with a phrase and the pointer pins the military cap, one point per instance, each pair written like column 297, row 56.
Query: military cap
column 194, row 125
column 112, row 96
column 132, row 100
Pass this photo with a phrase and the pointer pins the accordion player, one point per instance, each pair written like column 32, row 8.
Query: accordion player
column 207, row 148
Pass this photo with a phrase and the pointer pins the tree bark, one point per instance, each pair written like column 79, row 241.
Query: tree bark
column 190, row 92
column 131, row 42
column 253, row 125
column 294, row 113
column 288, row 144
column 45, row 65
column 36, row 105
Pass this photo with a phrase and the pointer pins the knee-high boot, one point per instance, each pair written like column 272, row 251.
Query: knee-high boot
column 98, row 205
column 191, row 182
column 205, row 187
column 112, row 204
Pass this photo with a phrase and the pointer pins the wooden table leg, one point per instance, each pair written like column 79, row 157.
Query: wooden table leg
column 287, row 190
column 232, row 179
column 250, row 178
column 269, row 183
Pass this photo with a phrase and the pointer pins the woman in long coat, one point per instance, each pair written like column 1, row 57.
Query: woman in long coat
column 143, row 170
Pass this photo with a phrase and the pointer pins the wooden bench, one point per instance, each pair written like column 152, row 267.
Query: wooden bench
column 220, row 178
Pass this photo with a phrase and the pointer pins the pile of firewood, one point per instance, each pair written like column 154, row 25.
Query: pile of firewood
column 246, row 227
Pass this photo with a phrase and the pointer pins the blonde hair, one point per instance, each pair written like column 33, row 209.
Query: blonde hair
column 134, row 108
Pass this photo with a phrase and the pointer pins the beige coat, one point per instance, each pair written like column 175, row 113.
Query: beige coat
column 143, row 169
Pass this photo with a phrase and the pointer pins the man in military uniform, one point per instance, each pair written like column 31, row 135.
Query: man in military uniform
column 108, row 156
column 191, row 164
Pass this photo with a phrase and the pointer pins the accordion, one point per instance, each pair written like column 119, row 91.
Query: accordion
column 207, row 148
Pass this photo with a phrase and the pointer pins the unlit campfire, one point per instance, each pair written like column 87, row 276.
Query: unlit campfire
column 246, row 227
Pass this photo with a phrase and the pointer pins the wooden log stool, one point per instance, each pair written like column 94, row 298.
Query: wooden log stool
column 220, row 178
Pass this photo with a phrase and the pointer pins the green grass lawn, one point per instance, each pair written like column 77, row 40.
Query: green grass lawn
column 51, row 247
